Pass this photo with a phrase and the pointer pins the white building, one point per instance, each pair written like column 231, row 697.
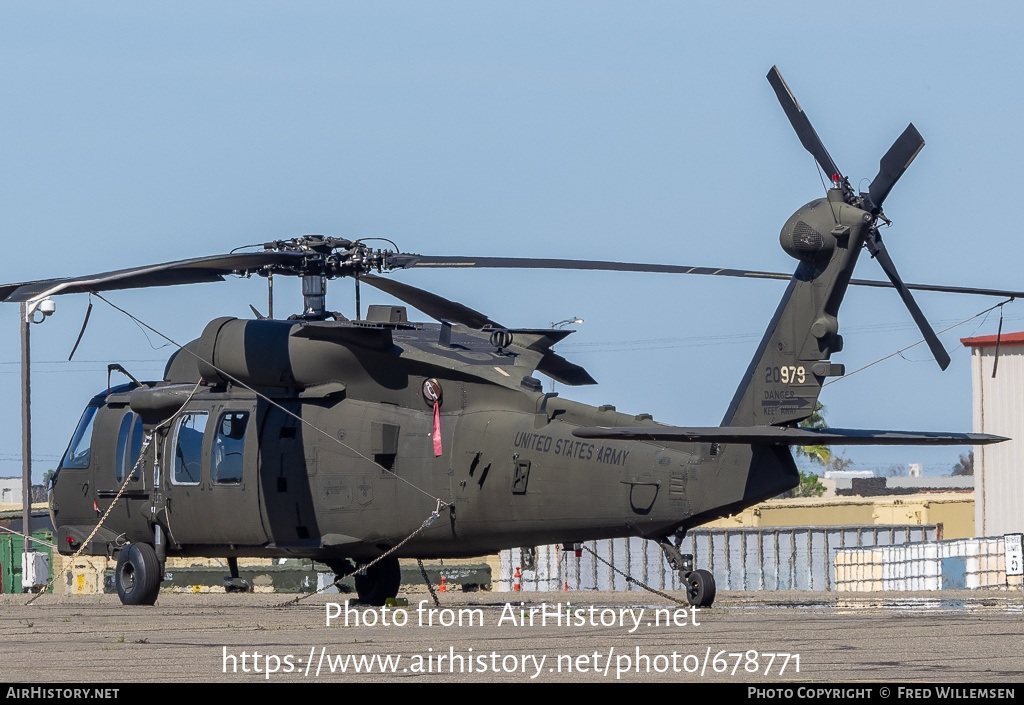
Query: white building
column 10, row 490
column 999, row 410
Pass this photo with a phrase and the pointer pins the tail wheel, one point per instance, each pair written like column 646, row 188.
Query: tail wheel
column 137, row 575
column 700, row 588
column 381, row 581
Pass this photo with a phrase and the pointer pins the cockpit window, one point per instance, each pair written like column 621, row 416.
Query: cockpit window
column 188, row 449
column 77, row 455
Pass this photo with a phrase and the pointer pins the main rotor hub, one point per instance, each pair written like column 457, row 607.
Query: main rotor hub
column 328, row 257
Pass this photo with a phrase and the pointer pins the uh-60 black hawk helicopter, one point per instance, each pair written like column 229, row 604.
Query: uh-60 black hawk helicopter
column 336, row 439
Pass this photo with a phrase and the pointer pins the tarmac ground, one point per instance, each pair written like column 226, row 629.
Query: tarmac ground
column 770, row 638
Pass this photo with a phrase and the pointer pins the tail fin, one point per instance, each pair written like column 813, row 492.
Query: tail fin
column 791, row 364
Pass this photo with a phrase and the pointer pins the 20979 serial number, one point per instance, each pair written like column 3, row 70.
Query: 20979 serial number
column 787, row 374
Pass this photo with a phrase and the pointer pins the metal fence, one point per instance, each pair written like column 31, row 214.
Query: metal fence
column 762, row 558
column 956, row 564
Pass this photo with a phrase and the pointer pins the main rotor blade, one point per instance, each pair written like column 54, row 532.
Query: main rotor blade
column 407, row 261
column 800, row 122
column 187, row 271
column 877, row 249
column 896, row 161
column 433, row 305
column 973, row 291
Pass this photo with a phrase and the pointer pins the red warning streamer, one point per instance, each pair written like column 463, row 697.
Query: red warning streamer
column 437, row 428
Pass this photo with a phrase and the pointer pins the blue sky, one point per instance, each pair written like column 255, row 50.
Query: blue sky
column 136, row 133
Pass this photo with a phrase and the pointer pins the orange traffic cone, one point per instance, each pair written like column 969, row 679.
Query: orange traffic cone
column 444, row 588
column 516, row 580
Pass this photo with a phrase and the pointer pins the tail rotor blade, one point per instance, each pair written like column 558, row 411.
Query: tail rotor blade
column 878, row 251
column 808, row 137
column 894, row 163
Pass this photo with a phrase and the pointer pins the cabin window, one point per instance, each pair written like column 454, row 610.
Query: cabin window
column 188, row 449
column 229, row 448
column 129, row 447
column 77, row 454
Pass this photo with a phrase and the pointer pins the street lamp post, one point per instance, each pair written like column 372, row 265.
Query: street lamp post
column 28, row 311
column 26, row 438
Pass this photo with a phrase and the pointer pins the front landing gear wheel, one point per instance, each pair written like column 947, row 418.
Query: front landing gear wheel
column 380, row 582
column 137, row 575
column 700, row 588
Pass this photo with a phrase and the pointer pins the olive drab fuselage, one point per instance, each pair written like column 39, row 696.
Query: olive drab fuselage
column 332, row 452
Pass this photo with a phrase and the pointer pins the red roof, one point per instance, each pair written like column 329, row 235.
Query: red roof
column 985, row 341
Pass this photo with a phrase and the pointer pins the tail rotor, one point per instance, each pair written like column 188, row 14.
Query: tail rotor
column 891, row 167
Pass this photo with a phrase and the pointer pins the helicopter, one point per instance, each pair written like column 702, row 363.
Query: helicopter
column 359, row 442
